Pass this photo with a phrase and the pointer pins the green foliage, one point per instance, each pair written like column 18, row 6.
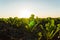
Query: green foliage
column 19, row 28
column 32, row 23
column 58, row 27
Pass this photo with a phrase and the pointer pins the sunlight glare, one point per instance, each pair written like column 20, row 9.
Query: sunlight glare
column 25, row 13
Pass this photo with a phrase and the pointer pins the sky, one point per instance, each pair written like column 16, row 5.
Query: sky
column 24, row 8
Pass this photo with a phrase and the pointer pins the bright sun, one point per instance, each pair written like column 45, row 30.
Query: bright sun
column 25, row 13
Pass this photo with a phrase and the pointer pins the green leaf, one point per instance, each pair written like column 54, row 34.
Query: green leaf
column 32, row 23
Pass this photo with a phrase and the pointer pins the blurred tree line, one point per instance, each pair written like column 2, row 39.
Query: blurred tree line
column 29, row 28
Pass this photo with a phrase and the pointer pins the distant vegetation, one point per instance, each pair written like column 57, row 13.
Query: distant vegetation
column 29, row 28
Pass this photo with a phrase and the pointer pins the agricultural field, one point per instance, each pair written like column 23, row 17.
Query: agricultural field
column 29, row 28
column 29, row 19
